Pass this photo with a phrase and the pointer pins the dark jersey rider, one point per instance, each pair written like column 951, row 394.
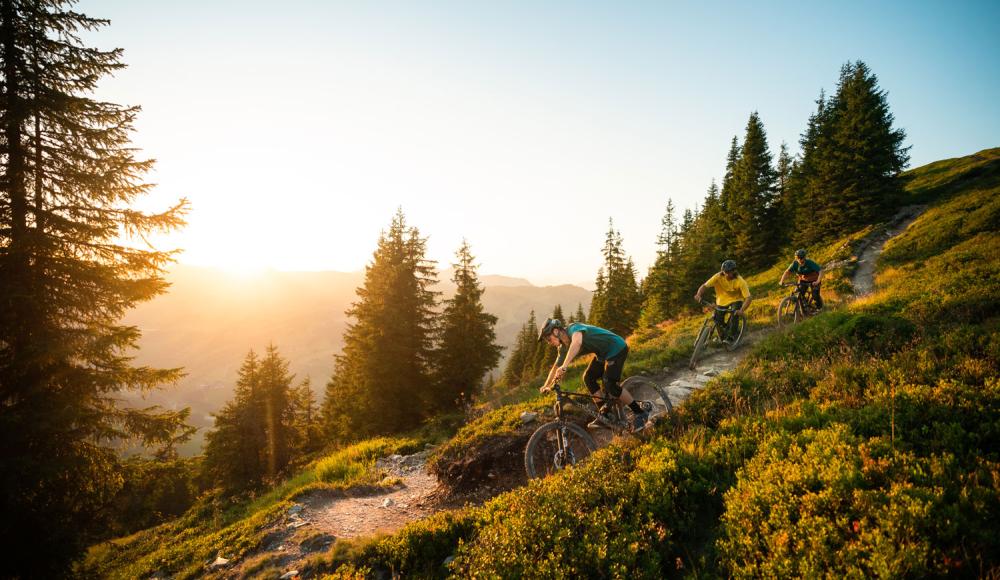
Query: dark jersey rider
column 610, row 352
column 807, row 272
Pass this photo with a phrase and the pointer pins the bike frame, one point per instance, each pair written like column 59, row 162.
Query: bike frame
column 562, row 397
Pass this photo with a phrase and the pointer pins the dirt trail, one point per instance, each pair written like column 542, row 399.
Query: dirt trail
column 864, row 277
column 321, row 518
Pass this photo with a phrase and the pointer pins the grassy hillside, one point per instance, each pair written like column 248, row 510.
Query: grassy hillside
column 863, row 442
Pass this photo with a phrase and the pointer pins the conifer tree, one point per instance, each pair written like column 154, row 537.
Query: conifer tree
column 659, row 280
column 382, row 378
column 785, row 199
column 522, row 355
column 851, row 169
column 253, row 436
column 617, row 299
column 233, row 447
column 726, row 193
column 804, row 179
column 306, row 425
column 752, row 211
column 467, row 348
column 580, row 316
column 68, row 179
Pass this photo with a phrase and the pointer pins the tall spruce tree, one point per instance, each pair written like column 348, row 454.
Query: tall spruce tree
column 254, row 434
column 853, row 166
column 68, row 179
column 659, row 280
column 467, row 347
column 382, row 379
column 617, row 300
column 785, row 198
column 752, row 211
column 522, row 355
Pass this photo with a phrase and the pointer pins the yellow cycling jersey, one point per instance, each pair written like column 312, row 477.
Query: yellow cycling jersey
column 728, row 291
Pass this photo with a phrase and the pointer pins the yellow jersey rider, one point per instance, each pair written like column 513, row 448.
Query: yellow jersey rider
column 731, row 291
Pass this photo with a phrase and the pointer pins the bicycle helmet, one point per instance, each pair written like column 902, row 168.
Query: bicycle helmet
column 729, row 266
column 547, row 328
column 800, row 253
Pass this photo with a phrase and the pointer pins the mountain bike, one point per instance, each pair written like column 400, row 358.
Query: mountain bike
column 797, row 305
column 730, row 333
column 562, row 443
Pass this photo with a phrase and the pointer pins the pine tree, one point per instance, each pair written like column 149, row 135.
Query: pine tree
column 467, row 347
column 580, row 316
column 382, row 378
column 233, row 457
column 522, row 355
column 785, row 198
column 851, row 169
column 803, row 185
column 617, row 299
column 752, row 211
column 306, row 425
column 659, row 280
column 254, row 433
column 68, row 178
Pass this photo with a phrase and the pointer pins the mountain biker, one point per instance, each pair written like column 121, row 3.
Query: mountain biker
column 731, row 291
column 610, row 352
column 806, row 271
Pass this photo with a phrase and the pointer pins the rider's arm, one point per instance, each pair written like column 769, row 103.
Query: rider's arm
column 575, row 343
column 747, row 298
column 701, row 290
column 783, row 276
column 548, row 380
column 819, row 277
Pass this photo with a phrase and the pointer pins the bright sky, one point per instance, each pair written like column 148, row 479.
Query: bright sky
column 297, row 128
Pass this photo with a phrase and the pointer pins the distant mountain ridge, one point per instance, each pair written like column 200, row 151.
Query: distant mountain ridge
column 209, row 319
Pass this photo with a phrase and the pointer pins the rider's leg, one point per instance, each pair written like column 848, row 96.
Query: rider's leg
column 592, row 377
column 816, row 297
column 612, row 380
column 731, row 318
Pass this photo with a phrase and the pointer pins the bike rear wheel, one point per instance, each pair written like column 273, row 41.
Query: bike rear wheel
column 701, row 341
column 542, row 454
column 651, row 396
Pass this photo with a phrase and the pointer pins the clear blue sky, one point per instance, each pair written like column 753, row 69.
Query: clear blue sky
column 297, row 128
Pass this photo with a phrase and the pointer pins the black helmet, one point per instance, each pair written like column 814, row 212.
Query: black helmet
column 728, row 266
column 800, row 253
column 547, row 328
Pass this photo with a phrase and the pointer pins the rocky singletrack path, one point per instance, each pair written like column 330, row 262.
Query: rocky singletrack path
column 319, row 518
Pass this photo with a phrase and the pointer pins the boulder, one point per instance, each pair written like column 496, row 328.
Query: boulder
column 528, row 417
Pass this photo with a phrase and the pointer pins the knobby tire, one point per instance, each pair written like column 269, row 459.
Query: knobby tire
column 540, row 452
column 699, row 343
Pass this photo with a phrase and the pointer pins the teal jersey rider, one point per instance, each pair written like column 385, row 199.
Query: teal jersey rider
column 807, row 268
column 597, row 341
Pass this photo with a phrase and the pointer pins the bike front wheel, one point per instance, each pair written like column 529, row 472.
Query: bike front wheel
column 700, row 342
column 740, row 327
column 788, row 311
column 543, row 455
